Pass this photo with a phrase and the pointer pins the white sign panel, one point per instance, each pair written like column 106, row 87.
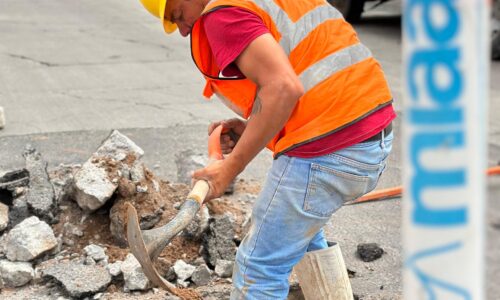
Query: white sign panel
column 445, row 69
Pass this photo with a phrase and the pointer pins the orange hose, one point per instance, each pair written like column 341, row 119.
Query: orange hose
column 397, row 191
column 493, row 171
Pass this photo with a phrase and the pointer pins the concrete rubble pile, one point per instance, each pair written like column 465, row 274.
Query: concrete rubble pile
column 63, row 229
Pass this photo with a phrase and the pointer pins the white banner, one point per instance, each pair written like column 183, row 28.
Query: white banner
column 446, row 70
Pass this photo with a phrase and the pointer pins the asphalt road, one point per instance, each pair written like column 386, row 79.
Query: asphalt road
column 70, row 71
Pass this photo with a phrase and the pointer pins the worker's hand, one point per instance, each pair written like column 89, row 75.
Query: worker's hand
column 232, row 129
column 219, row 175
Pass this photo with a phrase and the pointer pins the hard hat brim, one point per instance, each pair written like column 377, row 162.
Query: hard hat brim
column 168, row 26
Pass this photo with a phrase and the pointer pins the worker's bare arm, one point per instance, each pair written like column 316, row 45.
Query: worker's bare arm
column 265, row 63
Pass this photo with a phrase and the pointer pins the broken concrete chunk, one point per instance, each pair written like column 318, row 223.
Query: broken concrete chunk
column 15, row 274
column 4, row 216
column 77, row 279
column 224, row 268
column 118, row 147
column 2, row 118
column 219, row 240
column 369, row 252
column 30, row 239
column 40, row 197
column 97, row 180
column 19, row 211
column 10, row 180
column 183, row 270
column 114, row 269
column 93, row 187
column 201, row 275
column 134, row 277
column 95, row 252
column 62, row 181
column 137, row 173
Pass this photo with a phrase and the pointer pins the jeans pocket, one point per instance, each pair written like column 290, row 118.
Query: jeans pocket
column 328, row 189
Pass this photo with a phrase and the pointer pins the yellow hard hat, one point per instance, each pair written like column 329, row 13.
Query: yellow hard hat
column 157, row 9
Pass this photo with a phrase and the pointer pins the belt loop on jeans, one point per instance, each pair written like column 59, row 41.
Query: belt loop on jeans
column 382, row 144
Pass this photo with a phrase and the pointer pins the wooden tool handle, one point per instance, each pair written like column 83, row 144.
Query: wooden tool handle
column 201, row 187
column 199, row 191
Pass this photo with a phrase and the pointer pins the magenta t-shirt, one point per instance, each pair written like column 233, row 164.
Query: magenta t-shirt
column 231, row 29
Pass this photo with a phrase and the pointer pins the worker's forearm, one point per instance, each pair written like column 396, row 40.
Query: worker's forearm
column 271, row 110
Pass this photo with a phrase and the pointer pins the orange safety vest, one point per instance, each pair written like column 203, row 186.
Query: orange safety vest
column 343, row 83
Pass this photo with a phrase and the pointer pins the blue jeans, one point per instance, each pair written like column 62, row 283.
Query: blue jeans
column 298, row 198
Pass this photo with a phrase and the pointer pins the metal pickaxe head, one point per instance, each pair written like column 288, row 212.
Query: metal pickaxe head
column 146, row 245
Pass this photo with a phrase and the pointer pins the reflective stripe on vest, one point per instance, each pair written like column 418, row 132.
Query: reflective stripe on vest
column 299, row 30
column 332, row 64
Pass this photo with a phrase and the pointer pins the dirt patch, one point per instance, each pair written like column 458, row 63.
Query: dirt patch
column 93, row 227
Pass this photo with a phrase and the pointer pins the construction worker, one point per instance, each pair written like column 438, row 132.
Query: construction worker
column 308, row 89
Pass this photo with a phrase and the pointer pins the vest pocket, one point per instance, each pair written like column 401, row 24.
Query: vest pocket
column 328, row 189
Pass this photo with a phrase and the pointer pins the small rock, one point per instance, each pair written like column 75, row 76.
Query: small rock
column 97, row 296
column 201, row 275
column 183, row 270
column 77, row 279
column 89, row 261
column 29, row 239
column 137, row 172
column 95, row 252
column 369, row 252
column 4, row 216
column 133, row 275
column 181, row 283
column 15, row 274
column 115, row 268
column 72, row 230
column 224, row 268
column 41, row 196
column 142, row 189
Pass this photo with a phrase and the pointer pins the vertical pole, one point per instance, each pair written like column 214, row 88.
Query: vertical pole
column 446, row 70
